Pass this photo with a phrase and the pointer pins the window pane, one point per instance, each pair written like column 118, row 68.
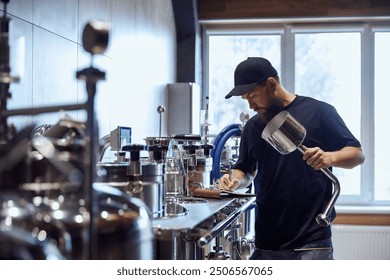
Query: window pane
column 382, row 99
column 225, row 52
column 328, row 68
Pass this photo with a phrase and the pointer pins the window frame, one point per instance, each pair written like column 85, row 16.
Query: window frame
column 287, row 28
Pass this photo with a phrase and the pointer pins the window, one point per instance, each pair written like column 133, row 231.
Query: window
column 344, row 65
column 382, row 99
column 327, row 67
column 222, row 65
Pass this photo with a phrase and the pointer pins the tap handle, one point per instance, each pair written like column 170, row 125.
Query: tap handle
column 135, row 150
column 191, row 148
column 207, row 149
column 158, row 151
column 187, row 137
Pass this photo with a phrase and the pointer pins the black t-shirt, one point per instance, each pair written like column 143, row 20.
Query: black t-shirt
column 291, row 193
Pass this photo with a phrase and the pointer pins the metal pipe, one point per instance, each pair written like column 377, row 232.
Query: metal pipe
column 206, row 238
column 91, row 76
column 160, row 110
column 5, row 73
column 41, row 110
column 106, row 144
column 323, row 218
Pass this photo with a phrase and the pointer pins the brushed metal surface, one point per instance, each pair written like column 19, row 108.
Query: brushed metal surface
column 197, row 212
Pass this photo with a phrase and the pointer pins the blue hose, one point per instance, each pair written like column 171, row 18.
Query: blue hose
column 223, row 137
column 223, row 131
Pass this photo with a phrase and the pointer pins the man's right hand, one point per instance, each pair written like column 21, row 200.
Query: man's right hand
column 227, row 184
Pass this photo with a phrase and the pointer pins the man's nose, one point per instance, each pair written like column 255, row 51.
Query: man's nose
column 251, row 104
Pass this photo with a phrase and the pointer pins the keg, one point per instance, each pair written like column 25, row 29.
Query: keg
column 149, row 187
column 22, row 237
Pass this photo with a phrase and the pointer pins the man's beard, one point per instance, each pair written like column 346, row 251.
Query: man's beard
column 275, row 107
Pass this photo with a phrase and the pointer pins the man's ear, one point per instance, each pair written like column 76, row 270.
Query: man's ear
column 271, row 83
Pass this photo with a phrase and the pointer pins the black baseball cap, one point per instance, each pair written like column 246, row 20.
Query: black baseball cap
column 250, row 72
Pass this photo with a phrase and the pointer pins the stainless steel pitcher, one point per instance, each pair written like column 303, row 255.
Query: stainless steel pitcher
column 286, row 134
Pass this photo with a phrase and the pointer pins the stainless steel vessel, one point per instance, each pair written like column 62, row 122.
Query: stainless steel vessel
column 56, row 220
column 151, row 190
column 286, row 135
column 139, row 177
column 46, row 207
column 111, row 172
column 22, row 237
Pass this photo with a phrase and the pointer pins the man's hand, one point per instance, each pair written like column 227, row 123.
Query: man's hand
column 227, row 184
column 317, row 158
column 347, row 157
column 236, row 180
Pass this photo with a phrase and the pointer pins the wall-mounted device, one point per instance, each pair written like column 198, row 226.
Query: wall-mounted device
column 119, row 137
column 183, row 108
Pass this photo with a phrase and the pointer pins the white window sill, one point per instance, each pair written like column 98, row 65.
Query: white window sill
column 363, row 209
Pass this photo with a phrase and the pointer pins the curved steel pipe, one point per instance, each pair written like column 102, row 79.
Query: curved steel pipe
column 323, row 218
column 206, row 238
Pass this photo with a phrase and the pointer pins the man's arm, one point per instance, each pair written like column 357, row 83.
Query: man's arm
column 347, row 157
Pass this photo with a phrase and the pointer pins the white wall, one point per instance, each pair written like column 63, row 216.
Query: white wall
column 46, row 52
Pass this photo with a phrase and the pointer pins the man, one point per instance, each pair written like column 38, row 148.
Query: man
column 292, row 191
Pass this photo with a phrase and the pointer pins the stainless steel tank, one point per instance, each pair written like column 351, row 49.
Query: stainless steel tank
column 148, row 187
column 49, row 200
column 22, row 237
column 112, row 172
column 123, row 226
column 151, row 189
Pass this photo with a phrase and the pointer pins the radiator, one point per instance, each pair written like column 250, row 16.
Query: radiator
column 354, row 242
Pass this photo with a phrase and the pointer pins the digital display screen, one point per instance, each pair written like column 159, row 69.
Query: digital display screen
column 124, row 136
